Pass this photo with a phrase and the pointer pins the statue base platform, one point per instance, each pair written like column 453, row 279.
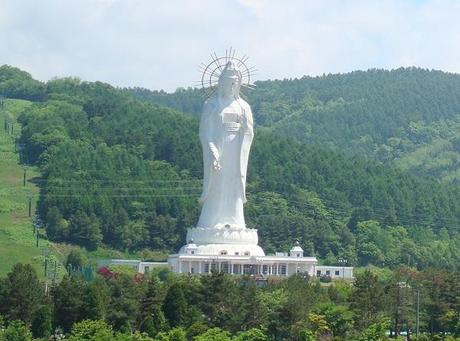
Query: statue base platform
column 222, row 250
column 222, row 235
column 222, row 240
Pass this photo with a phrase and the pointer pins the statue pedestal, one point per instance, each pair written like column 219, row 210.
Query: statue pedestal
column 222, row 240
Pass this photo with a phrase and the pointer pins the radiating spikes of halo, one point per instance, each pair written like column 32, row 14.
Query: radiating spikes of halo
column 215, row 61
column 249, row 86
column 218, row 62
column 230, row 54
column 211, row 72
column 242, row 60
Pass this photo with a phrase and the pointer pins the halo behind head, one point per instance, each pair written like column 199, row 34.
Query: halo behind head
column 228, row 66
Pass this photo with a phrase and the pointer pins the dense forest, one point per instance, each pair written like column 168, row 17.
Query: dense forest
column 409, row 117
column 219, row 307
column 119, row 171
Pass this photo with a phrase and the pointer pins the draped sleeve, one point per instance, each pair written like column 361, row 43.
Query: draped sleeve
column 206, row 138
column 247, row 137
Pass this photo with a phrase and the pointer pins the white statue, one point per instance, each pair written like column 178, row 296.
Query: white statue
column 226, row 133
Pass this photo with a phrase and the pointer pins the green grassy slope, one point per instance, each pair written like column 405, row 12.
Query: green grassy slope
column 17, row 241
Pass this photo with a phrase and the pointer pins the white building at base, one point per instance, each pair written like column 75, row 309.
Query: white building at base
column 191, row 259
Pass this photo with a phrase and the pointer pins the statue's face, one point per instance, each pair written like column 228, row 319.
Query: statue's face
column 228, row 86
column 229, row 81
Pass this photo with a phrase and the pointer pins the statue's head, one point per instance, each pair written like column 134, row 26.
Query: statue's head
column 229, row 83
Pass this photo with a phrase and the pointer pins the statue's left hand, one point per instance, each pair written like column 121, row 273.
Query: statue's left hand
column 216, row 165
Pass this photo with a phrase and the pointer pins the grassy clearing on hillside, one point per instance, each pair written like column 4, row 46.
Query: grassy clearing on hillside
column 17, row 241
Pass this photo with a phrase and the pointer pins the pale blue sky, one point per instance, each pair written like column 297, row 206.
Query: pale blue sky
column 158, row 44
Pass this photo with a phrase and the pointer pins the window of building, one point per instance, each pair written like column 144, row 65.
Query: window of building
column 246, row 269
column 206, row 268
column 192, row 252
column 328, row 272
column 146, row 269
column 237, row 253
column 265, row 269
column 192, row 270
column 237, row 268
column 337, row 272
column 298, row 255
column 223, row 252
column 318, row 273
column 283, row 269
column 247, row 253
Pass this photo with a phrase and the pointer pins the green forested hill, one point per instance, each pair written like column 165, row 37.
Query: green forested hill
column 409, row 117
column 126, row 173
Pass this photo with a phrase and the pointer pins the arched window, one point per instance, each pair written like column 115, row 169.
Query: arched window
column 247, row 253
column 223, row 252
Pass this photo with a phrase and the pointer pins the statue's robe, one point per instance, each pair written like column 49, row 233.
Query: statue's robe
column 227, row 130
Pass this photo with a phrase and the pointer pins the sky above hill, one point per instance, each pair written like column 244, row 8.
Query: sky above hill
column 158, row 44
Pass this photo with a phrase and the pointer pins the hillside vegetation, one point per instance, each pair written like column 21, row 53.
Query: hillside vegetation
column 407, row 117
column 121, row 172
column 17, row 241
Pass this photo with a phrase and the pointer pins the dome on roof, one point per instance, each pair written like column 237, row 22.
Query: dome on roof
column 297, row 247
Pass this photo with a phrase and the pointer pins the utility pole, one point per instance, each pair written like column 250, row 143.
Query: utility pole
column 417, row 319
column 30, row 206
column 25, row 175
column 55, row 272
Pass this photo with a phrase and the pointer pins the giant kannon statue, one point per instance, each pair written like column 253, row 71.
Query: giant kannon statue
column 226, row 134
column 220, row 241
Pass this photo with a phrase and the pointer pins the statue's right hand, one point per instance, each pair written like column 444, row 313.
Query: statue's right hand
column 216, row 165
column 216, row 156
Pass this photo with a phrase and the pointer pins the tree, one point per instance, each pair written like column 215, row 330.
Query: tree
column 75, row 300
column 254, row 334
column 22, row 293
column 85, row 230
column 219, row 303
column 56, row 225
column 214, row 334
column 375, row 332
column 75, row 259
column 338, row 318
column 123, row 309
column 92, row 331
column 175, row 306
column 16, row 331
column 367, row 299
column 42, row 322
column 152, row 318
column 175, row 334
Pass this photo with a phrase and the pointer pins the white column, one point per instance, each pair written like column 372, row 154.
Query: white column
column 190, row 266
column 199, row 266
column 179, row 265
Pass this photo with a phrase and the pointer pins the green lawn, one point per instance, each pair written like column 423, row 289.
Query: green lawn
column 17, row 241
